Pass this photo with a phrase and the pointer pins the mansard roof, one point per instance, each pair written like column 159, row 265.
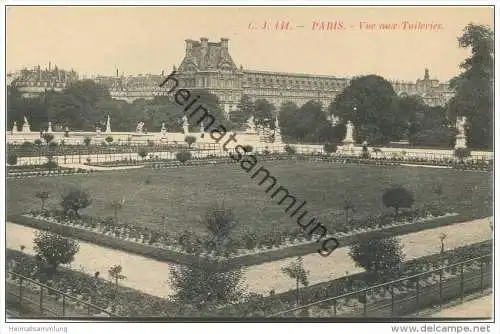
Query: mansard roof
column 207, row 56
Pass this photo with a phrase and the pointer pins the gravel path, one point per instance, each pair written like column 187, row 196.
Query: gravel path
column 152, row 276
column 478, row 308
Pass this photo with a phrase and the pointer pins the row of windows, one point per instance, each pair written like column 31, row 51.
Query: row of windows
column 311, row 83
column 40, row 84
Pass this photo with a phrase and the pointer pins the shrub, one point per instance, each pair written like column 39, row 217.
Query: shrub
column 12, row 159
column 48, row 137
column 50, row 165
column 26, row 144
column 203, row 284
column 143, row 152
column 365, row 154
column 38, row 142
column 150, row 143
column 290, row 150
column 54, row 249
column 53, row 144
column 87, row 141
column 183, row 156
column 109, row 139
column 397, row 197
column 75, row 199
column 248, row 148
column 462, row 153
column 330, row 148
column 190, row 140
column 380, row 257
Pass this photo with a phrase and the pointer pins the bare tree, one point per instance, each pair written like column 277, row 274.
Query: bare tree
column 43, row 196
column 296, row 271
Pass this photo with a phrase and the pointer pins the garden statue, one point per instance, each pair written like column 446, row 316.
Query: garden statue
column 108, row 125
column 277, row 132
column 349, row 132
column 26, row 125
column 14, row 127
column 461, row 140
column 163, row 130
column 251, row 125
column 461, row 125
column 348, row 142
column 139, row 127
column 185, row 124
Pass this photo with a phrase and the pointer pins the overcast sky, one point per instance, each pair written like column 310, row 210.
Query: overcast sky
column 148, row 40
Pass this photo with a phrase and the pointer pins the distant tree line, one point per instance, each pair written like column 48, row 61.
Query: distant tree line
column 369, row 102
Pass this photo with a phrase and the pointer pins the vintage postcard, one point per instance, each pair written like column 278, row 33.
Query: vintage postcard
column 251, row 163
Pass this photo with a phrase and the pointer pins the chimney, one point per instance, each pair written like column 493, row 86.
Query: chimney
column 49, row 65
column 203, row 53
column 189, row 47
column 426, row 75
column 224, row 42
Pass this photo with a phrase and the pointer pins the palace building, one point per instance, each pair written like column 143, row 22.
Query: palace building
column 209, row 66
column 33, row 82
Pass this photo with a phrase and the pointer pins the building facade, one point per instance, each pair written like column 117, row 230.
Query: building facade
column 209, row 66
column 33, row 82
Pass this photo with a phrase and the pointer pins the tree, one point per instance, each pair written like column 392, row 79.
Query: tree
column 308, row 123
column 248, row 148
column 183, row 156
column 43, row 196
column 143, row 152
column 348, row 205
column 461, row 153
column 212, row 104
column 190, row 140
column 264, row 113
column 54, row 249
column 116, row 206
column 77, row 105
column 74, row 200
column 245, row 109
column 206, row 283
column 380, row 257
column 87, row 141
column 442, row 238
column 51, row 164
column 115, row 272
column 372, row 105
column 12, row 159
column 330, row 148
column 48, row 137
column 219, row 221
column 397, row 197
column 290, row 150
column 474, row 86
column 295, row 270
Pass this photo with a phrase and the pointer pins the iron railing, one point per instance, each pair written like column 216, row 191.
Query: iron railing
column 34, row 299
column 406, row 295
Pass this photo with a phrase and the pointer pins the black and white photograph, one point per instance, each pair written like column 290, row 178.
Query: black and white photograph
column 208, row 163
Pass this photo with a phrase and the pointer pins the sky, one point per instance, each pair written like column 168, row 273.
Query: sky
column 98, row 40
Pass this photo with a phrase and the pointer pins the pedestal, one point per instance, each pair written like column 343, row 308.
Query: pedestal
column 460, row 142
column 348, row 147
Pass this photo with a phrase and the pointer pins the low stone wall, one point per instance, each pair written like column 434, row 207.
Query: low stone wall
column 166, row 255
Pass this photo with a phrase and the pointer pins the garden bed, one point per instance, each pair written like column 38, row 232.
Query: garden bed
column 132, row 303
column 41, row 172
column 152, row 245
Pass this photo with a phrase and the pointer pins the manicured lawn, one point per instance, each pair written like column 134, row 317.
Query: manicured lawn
column 183, row 194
